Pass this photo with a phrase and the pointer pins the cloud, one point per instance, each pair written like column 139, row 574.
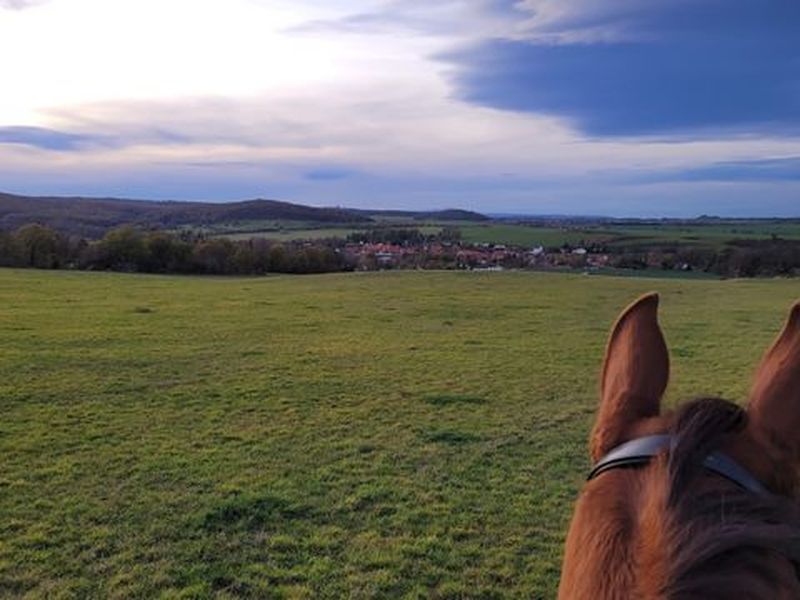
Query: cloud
column 646, row 68
column 766, row 170
column 589, row 21
column 46, row 139
column 445, row 18
column 20, row 4
column 345, row 130
column 114, row 138
column 224, row 164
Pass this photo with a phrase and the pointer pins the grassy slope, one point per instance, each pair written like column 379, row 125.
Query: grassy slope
column 387, row 434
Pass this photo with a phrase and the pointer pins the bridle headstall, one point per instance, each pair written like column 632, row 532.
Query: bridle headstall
column 642, row 450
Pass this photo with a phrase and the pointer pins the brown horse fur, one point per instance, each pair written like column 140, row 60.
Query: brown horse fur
column 672, row 530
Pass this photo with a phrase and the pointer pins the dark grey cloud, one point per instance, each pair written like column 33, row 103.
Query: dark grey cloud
column 665, row 67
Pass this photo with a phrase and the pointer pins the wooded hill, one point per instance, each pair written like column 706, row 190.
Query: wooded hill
column 92, row 217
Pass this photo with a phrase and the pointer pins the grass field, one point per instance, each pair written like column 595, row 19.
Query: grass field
column 515, row 234
column 286, row 235
column 528, row 236
column 707, row 235
column 411, row 434
column 710, row 235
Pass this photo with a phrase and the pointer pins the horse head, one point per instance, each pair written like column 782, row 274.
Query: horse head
column 699, row 502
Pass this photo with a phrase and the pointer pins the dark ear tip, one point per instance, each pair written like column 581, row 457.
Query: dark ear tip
column 648, row 298
column 645, row 302
column 794, row 315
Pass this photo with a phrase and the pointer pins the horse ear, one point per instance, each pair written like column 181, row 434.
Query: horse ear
column 774, row 406
column 634, row 376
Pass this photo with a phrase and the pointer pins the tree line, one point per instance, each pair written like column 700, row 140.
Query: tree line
column 132, row 250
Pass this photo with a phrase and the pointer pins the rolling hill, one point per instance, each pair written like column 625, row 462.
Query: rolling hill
column 91, row 217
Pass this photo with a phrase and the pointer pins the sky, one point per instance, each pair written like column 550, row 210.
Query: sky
column 646, row 108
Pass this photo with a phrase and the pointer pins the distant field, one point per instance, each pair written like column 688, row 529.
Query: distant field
column 285, row 235
column 697, row 235
column 712, row 235
column 522, row 235
column 398, row 434
column 288, row 234
column 254, row 227
column 529, row 236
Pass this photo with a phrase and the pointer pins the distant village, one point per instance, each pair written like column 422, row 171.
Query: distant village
column 406, row 249
column 370, row 256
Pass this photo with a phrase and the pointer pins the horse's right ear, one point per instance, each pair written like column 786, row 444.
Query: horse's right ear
column 774, row 406
column 634, row 376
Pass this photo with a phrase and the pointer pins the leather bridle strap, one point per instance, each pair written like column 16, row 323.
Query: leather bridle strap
column 641, row 451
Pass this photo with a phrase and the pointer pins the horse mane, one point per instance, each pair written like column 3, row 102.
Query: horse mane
column 709, row 539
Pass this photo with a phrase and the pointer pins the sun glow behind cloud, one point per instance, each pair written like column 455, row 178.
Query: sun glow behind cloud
column 222, row 99
column 87, row 51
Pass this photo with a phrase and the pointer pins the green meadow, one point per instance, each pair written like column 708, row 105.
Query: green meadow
column 708, row 235
column 711, row 235
column 397, row 434
column 529, row 235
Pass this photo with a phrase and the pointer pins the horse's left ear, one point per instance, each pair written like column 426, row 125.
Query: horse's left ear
column 774, row 407
column 634, row 376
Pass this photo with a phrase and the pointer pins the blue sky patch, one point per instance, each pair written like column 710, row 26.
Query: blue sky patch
column 328, row 174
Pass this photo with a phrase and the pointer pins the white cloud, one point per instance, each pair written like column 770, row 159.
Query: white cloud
column 77, row 51
column 406, row 126
column 20, row 4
